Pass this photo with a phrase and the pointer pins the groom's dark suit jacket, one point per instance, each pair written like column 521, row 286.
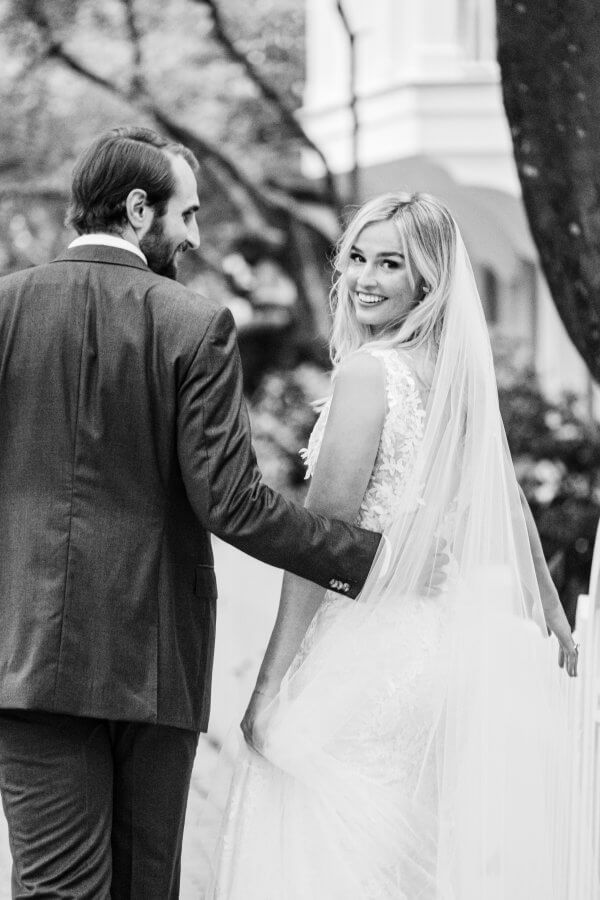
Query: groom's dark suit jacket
column 124, row 441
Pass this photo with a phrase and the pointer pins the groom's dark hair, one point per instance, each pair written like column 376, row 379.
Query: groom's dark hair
column 116, row 163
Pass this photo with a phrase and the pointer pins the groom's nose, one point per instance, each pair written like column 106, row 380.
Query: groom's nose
column 193, row 235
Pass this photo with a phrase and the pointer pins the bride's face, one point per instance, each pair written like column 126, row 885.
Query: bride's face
column 377, row 278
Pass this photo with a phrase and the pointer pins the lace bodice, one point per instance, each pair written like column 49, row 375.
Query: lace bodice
column 400, row 437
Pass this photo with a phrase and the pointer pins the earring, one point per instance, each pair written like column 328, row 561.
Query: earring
column 426, row 288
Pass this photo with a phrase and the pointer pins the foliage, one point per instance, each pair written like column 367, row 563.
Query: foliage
column 282, row 414
column 556, row 452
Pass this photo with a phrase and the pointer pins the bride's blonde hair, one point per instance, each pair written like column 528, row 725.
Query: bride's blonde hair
column 428, row 236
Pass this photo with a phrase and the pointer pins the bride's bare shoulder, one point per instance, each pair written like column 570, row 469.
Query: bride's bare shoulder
column 358, row 368
column 359, row 389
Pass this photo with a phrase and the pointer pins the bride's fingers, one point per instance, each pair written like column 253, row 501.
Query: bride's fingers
column 569, row 668
column 568, row 659
column 573, row 660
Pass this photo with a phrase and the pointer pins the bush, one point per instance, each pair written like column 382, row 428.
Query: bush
column 282, row 417
column 556, row 452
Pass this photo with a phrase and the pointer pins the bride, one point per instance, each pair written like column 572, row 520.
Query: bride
column 405, row 745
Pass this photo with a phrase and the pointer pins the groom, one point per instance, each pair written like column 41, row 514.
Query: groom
column 124, row 442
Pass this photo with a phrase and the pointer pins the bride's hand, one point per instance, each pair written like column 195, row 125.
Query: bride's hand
column 260, row 699
column 568, row 654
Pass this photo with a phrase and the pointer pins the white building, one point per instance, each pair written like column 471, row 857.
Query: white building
column 431, row 118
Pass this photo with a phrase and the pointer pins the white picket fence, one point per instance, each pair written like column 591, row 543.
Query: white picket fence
column 584, row 866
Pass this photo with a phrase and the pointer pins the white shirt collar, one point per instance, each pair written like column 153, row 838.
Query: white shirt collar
column 107, row 240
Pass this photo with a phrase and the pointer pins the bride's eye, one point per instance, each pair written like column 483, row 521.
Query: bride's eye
column 356, row 257
column 391, row 264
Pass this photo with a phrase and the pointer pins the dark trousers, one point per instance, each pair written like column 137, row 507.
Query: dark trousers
column 95, row 809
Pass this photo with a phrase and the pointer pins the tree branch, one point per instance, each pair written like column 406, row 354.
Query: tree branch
column 138, row 82
column 56, row 50
column 270, row 94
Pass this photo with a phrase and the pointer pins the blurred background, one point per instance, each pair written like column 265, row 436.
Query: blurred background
column 298, row 110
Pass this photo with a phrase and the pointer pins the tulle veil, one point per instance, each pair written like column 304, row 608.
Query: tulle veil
column 484, row 815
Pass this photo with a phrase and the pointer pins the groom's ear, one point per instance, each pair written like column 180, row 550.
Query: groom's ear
column 139, row 213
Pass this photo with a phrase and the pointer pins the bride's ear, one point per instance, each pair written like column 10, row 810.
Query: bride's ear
column 422, row 290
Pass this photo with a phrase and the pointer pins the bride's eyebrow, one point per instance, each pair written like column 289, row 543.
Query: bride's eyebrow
column 386, row 253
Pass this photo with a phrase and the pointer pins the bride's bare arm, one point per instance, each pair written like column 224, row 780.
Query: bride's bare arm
column 341, row 476
column 556, row 619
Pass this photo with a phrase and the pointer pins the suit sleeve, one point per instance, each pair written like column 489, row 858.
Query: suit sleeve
column 224, row 484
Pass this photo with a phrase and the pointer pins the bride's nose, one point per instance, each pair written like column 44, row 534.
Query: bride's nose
column 367, row 278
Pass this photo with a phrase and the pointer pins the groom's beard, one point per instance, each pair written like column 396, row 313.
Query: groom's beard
column 160, row 252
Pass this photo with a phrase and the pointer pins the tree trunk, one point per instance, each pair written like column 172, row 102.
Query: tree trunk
column 550, row 64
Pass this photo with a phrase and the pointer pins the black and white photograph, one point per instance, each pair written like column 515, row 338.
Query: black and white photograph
column 300, row 450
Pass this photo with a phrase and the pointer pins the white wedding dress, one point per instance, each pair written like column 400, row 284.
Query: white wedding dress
column 381, row 748
column 418, row 748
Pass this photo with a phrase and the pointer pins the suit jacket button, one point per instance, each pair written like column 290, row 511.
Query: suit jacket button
column 345, row 587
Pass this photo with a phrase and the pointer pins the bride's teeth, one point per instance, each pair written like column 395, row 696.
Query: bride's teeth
column 370, row 298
